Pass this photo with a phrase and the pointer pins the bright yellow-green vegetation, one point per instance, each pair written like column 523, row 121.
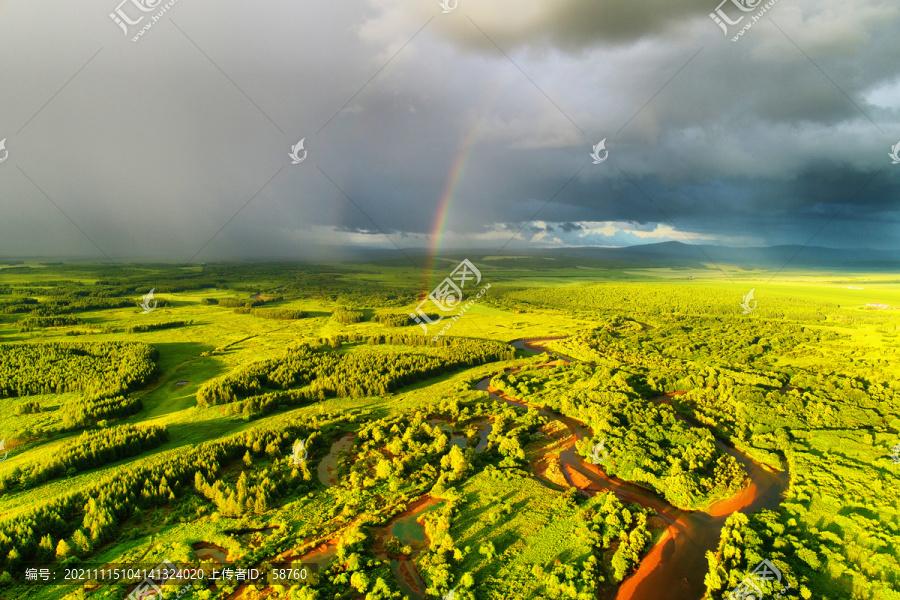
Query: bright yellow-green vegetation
column 263, row 414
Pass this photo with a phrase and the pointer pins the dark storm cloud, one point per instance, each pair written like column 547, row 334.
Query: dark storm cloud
column 570, row 227
column 569, row 25
column 181, row 141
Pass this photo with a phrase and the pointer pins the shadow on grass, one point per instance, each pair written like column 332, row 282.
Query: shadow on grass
column 184, row 348
column 173, row 354
column 195, row 432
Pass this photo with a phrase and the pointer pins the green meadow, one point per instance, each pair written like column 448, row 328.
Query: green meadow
column 240, row 362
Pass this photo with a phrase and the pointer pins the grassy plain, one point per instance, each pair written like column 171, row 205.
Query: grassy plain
column 528, row 298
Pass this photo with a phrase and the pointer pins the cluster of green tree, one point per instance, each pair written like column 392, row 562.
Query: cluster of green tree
column 158, row 326
column 165, row 279
column 398, row 319
column 32, row 323
column 393, row 461
column 99, row 369
column 79, row 522
column 815, row 400
column 718, row 342
column 400, row 457
column 28, row 408
column 284, row 314
column 442, row 563
column 404, row 450
column 659, row 300
column 90, row 410
column 743, row 413
column 89, row 450
column 351, row 374
column 235, row 302
column 615, row 530
column 255, row 493
column 617, row 536
column 834, row 430
column 263, row 404
column 746, row 542
column 613, row 524
column 342, row 285
column 112, row 283
column 17, row 306
column 394, row 547
column 511, row 431
column 73, row 304
column 347, row 316
column 21, row 269
column 92, row 328
column 79, row 290
column 393, row 319
column 355, row 573
column 646, row 443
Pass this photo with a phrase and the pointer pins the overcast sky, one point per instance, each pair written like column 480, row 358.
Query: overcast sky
column 129, row 150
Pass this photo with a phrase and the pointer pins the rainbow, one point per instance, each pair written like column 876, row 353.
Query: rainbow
column 446, row 202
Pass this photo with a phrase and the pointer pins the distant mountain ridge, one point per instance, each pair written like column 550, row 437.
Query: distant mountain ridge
column 687, row 256
column 659, row 255
column 682, row 254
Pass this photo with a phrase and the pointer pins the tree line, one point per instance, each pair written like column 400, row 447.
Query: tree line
column 91, row 410
column 89, row 450
column 347, row 316
column 232, row 302
column 393, row 320
column 158, row 326
column 100, row 369
column 284, row 314
column 31, row 323
column 351, row 374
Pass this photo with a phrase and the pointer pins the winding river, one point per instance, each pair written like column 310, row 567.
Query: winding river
column 674, row 568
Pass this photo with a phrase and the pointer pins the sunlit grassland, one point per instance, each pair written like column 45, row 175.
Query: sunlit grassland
column 174, row 406
column 170, row 538
column 855, row 478
column 540, row 525
column 527, row 523
column 883, row 288
column 879, row 289
column 11, row 423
